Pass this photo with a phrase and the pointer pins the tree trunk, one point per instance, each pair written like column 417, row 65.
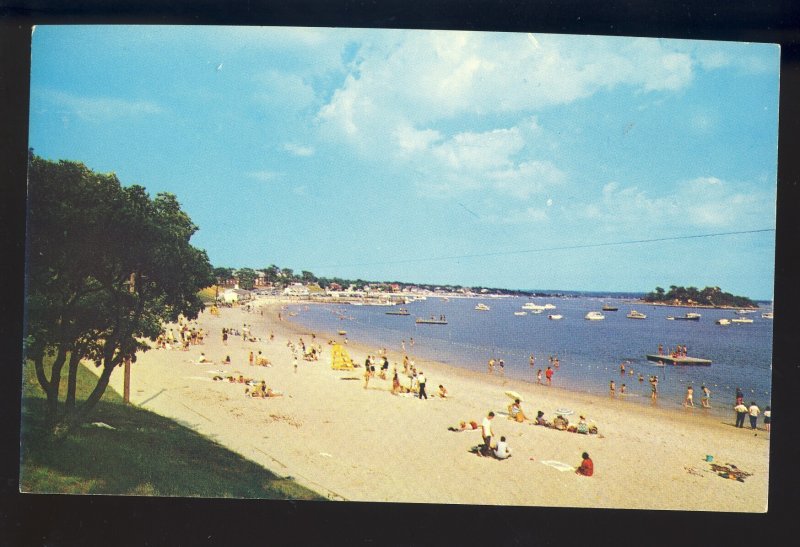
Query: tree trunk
column 77, row 417
column 51, row 387
column 72, row 379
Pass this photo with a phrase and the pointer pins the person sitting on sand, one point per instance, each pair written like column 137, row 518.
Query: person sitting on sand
column 561, row 423
column 395, row 383
column 587, row 466
column 503, row 451
column 540, row 419
column 442, row 392
column 203, row 359
column 227, row 360
column 515, row 411
column 583, row 427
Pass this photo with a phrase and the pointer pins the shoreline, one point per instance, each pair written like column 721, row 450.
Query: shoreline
column 351, row 443
column 660, row 410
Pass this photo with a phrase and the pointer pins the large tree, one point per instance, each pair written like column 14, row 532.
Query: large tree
column 247, row 277
column 107, row 265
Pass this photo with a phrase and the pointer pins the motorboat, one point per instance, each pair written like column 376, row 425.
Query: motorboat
column 723, row 322
column 742, row 320
column 549, row 306
column 609, row 307
column 636, row 315
column 401, row 311
column 555, row 316
column 594, row 316
column 688, row 317
column 482, row 307
column 767, row 315
column 532, row 306
column 744, row 312
column 520, row 313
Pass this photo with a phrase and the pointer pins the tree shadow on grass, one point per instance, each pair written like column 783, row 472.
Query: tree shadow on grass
column 145, row 454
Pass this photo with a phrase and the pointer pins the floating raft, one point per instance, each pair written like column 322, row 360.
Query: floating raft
column 430, row 321
column 669, row 360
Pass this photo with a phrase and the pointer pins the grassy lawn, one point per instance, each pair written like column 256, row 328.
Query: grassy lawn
column 145, row 454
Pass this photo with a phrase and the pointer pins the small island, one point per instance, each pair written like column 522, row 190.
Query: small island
column 710, row 297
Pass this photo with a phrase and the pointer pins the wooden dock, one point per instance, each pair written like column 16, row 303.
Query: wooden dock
column 669, row 360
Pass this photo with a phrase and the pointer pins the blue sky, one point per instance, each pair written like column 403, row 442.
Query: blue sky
column 433, row 156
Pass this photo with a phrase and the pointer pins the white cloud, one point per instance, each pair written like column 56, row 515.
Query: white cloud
column 298, row 149
column 284, row 91
column 101, row 109
column 264, row 176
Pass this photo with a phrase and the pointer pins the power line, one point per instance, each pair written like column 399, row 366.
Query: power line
column 546, row 249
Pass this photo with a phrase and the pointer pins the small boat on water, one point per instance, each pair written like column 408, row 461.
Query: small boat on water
column 401, row 311
column 342, row 332
column 688, row 317
column 609, row 307
column 742, row 320
column 555, row 316
column 482, row 307
column 723, row 322
column 532, row 306
column 767, row 315
column 520, row 313
column 594, row 316
column 636, row 315
column 670, row 360
column 549, row 307
column 744, row 312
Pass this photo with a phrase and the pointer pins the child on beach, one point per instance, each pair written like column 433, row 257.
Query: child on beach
column 767, row 418
column 586, row 467
column 688, row 401
column 706, row 396
column 622, row 389
column 540, row 419
column 549, row 375
column 539, row 376
column 612, row 388
column 443, row 392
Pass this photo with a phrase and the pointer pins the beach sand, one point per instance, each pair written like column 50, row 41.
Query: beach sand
column 350, row 443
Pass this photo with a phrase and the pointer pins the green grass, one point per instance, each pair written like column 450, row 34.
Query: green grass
column 145, row 455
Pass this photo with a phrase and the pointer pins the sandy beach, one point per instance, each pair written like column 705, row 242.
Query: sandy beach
column 349, row 443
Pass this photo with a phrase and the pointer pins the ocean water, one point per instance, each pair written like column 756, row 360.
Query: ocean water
column 590, row 352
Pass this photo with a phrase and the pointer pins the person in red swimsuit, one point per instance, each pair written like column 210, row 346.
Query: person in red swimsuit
column 587, row 467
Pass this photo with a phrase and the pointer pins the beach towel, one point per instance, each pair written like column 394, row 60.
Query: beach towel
column 558, row 465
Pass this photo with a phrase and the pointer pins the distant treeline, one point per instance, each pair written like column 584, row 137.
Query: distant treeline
column 283, row 277
column 710, row 296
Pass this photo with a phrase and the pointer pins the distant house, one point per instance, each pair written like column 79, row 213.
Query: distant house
column 230, row 296
column 296, row 289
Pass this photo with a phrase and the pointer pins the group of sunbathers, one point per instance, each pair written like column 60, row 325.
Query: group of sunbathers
column 562, row 424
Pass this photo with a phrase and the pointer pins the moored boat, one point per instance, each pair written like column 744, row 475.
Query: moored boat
column 767, row 315
column 688, row 317
column 609, row 307
column 401, row 311
column 555, row 316
column 520, row 313
column 482, row 307
column 723, row 322
column 636, row 315
column 594, row 316
column 742, row 320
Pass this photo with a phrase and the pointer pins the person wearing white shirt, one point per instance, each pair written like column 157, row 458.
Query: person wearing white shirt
column 754, row 411
column 502, row 451
column 486, row 432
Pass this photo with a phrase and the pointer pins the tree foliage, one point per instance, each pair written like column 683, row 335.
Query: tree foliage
column 106, row 265
column 709, row 296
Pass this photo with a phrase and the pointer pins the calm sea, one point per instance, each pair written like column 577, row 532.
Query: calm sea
column 590, row 352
